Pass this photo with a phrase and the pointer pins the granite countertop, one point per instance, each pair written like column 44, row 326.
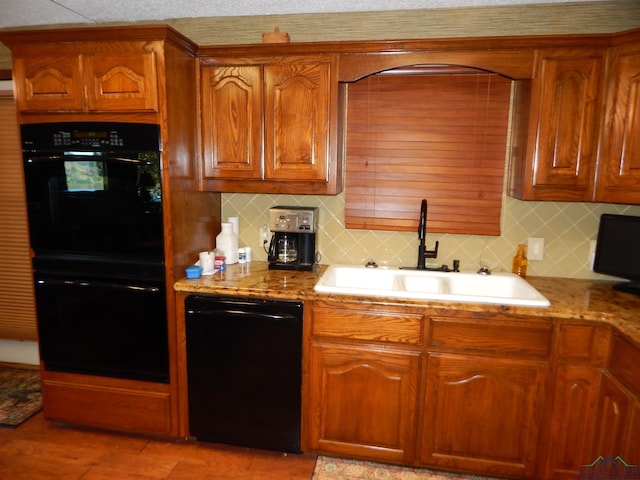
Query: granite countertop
column 592, row 300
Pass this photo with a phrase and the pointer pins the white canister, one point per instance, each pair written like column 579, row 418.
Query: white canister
column 235, row 221
column 227, row 242
column 206, row 262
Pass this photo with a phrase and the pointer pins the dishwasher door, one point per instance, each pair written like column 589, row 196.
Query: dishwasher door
column 244, row 367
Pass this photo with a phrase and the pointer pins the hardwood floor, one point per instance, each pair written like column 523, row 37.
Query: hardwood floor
column 39, row 449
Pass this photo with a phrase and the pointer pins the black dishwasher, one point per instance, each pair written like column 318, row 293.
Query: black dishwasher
column 244, row 368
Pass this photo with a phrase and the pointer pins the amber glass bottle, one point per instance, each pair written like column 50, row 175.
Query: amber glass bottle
column 520, row 262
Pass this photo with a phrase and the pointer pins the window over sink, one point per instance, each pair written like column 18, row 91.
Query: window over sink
column 435, row 132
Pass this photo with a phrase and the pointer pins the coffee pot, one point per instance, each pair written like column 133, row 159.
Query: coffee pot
column 293, row 245
column 287, row 249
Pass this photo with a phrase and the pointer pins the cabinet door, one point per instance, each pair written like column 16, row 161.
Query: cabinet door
column 297, row 100
column 632, row 448
column 614, row 414
column 619, row 175
column 48, row 83
column 482, row 414
column 121, row 82
column 363, row 401
column 564, row 126
column 232, row 122
column 570, row 431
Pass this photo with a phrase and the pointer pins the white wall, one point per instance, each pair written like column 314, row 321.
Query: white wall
column 19, row 352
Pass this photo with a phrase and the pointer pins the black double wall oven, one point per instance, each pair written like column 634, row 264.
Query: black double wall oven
column 94, row 201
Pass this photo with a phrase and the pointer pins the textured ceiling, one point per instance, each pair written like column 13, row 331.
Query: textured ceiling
column 22, row 13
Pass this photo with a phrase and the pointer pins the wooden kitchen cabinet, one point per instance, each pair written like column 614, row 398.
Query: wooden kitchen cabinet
column 269, row 125
column 615, row 405
column 364, row 371
column 141, row 74
column 232, row 122
column 617, row 420
column 365, row 400
column 582, row 353
column 482, row 415
column 558, row 161
column 619, row 174
column 86, row 82
column 485, row 394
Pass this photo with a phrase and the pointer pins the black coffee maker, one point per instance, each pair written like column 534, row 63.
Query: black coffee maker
column 293, row 244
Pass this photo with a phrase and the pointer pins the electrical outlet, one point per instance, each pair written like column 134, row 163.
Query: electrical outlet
column 535, row 248
column 264, row 234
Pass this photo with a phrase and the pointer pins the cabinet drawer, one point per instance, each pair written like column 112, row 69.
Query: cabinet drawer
column 472, row 335
column 584, row 344
column 105, row 407
column 393, row 327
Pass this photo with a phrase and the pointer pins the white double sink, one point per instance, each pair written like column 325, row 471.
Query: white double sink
column 496, row 288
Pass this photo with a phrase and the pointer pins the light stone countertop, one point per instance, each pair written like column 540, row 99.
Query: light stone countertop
column 590, row 300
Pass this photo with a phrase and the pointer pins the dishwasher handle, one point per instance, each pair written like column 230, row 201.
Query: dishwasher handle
column 213, row 312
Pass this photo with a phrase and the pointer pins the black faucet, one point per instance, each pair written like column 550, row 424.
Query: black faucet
column 422, row 234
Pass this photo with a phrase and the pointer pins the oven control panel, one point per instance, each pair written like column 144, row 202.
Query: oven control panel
column 90, row 136
column 293, row 219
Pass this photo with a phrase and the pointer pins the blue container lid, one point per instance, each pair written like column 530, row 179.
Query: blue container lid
column 193, row 271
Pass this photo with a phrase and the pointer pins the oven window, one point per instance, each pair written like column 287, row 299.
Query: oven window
column 84, row 176
column 95, row 206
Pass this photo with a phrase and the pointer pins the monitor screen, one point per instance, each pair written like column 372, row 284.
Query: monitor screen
column 618, row 249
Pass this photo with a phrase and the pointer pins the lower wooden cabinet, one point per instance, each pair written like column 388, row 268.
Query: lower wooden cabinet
column 615, row 405
column 499, row 395
column 582, row 352
column 483, row 414
column 111, row 403
column 570, row 433
column 618, row 418
column 363, row 401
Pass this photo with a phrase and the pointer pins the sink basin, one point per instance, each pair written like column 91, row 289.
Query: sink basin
column 497, row 288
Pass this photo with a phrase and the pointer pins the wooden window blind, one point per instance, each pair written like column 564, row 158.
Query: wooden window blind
column 17, row 301
column 439, row 137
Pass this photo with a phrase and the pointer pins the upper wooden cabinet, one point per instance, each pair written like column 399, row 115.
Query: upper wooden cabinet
column 269, row 125
column 77, row 82
column 558, row 160
column 578, row 125
column 619, row 173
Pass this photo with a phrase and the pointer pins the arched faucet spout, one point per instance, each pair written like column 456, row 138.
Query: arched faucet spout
column 423, row 253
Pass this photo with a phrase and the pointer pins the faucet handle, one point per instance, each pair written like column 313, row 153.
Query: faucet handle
column 432, row 253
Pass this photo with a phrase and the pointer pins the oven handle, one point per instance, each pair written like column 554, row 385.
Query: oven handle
column 53, row 157
column 89, row 283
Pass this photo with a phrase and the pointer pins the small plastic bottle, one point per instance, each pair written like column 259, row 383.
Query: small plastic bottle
column 227, row 241
column 520, row 262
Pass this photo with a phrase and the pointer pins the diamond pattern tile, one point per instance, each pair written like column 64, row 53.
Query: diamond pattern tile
column 567, row 229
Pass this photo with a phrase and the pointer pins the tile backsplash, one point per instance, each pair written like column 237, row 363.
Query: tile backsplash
column 567, row 229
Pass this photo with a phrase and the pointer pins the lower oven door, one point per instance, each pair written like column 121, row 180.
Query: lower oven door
column 106, row 327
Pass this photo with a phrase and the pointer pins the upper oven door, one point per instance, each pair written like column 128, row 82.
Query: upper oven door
column 95, row 203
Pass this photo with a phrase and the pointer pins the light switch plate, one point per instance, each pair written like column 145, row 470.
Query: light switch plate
column 535, row 248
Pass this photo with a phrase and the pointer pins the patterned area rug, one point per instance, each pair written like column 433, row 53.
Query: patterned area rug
column 341, row 469
column 20, row 395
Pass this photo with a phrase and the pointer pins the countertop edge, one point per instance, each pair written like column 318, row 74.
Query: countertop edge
column 571, row 299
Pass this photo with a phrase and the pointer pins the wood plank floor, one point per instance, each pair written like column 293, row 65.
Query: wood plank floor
column 39, row 449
